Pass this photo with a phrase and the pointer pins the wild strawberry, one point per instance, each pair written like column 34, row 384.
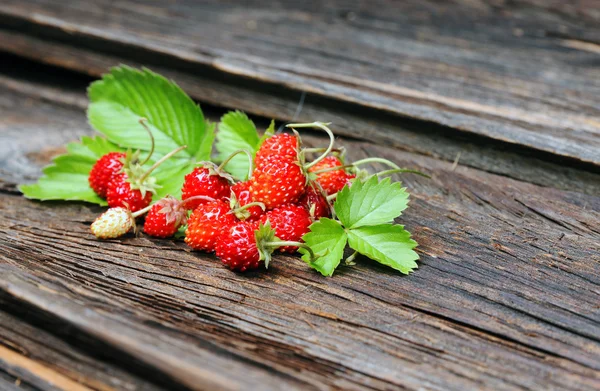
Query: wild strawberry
column 113, row 223
column 205, row 224
column 244, row 244
column 290, row 223
column 241, row 197
column 283, row 145
column 331, row 181
column 133, row 188
column 121, row 194
column 165, row 217
column 207, row 181
column 315, row 202
column 104, row 170
column 277, row 182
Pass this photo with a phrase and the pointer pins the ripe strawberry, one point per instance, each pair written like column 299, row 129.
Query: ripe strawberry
column 241, row 197
column 277, row 182
column 205, row 181
column 120, row 193
column 205, row 224
column 133, row 188
column 290, row 222
column 104, row 170
column 113, row 223
column 165, row 217
column 283, row 145
column 244, row 244
column 331, row 181
column 315, row 202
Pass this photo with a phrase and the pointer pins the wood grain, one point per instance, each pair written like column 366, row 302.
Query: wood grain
column 506, row 295
column 519, row 73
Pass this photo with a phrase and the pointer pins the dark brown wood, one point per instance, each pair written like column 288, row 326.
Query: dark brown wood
column 506, row 296
column 520, row 73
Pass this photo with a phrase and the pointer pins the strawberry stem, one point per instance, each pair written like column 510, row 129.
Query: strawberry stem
column 198, row 197
column 328, row 169
column 332, row 197
column 396, row 171
column 143, row 123
column 142, row 211
column 323, row 126
column 250, row 161
column 161, row 161
column 375, row 160
column 249, row 205
column 282, row 243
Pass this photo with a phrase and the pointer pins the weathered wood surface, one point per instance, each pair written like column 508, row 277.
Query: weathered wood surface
column 506, row 297
column 523, row 72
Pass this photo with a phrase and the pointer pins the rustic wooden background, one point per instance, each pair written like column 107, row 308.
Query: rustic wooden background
column 507, row 295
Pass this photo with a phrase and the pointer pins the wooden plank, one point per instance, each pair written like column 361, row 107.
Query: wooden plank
column 527, row 78
column 506, row 296
column 22, row 77
column 36, row 343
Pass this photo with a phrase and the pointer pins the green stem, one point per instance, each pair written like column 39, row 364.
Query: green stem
column 143, row 123
column 198, row 197
column 399, row 170
column 250, row 163
column 328, row 169
column 142, row 211
column 250, row 205
column 375, row 160
column 332, row 196
column 161, row 161
column 351, row 257
column 323, row 126
column 295, row 244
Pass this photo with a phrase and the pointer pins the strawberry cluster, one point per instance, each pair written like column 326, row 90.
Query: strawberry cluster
column 242, row 222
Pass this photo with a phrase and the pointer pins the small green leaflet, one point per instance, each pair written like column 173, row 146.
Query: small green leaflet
column 327, row 239
column 365, row 209
column 371, row 202
column 67, row 177
column 388, row 244
column 125, row 95
column 237, row 131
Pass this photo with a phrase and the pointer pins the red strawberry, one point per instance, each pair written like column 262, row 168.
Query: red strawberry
column 277, row 182
column 290, row 222
column 315, row 202
column 120, row 193
column 244, row 244
column 165, row 217
column 205, row 224
column 204, row 181
column 241, row 197
column 283, row 145
column 237, row 247
column 331, row 181
column 133, row 188
column 104, row 170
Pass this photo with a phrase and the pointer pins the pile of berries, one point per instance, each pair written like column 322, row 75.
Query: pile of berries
column 242, row 222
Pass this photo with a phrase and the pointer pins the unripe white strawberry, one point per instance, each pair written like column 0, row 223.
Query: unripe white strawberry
column 113, row 223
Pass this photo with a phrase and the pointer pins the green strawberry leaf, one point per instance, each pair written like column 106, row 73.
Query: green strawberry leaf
column 327, row 239
column 236, row 131
column 67, row 177
column 371, row 202
column 388, row 244
column 125, row 95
